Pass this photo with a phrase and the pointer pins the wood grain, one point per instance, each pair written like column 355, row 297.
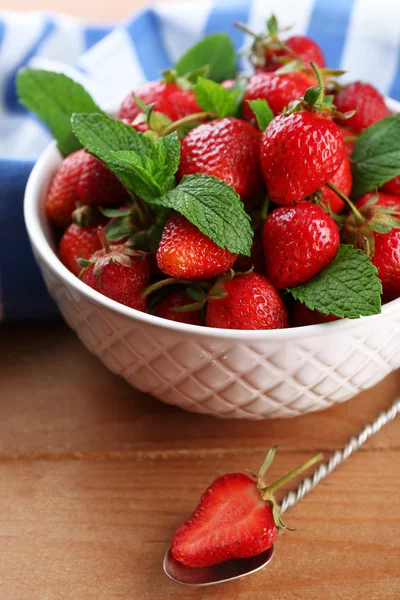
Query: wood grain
column 95, row 477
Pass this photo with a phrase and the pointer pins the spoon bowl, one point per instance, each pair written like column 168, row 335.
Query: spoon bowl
column 224, row 571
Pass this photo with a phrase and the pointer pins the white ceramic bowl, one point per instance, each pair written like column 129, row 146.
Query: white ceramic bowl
column 221, row 372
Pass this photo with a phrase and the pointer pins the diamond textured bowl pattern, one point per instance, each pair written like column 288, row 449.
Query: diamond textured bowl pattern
column 229, row 378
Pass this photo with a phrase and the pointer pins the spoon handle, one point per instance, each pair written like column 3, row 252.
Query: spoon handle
column 338, row 457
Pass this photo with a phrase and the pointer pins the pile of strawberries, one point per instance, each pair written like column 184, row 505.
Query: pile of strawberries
column 282, row 141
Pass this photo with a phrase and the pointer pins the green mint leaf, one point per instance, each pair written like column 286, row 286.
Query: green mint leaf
column 212, row 97
column 215, row 208
column 348, row 287
column 157, row 169
column 217, row 51
column 376, row 156
column 54, row 97
column 146, row 168
column 262, row 112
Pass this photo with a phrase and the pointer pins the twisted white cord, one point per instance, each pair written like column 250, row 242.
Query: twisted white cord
column 338, row 457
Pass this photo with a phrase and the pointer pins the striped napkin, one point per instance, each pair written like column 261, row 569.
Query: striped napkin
column 361, row 36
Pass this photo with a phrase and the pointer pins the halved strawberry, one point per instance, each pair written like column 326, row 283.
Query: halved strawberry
column 237, row 517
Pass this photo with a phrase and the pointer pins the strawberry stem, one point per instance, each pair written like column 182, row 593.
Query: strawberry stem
column 277, row 484
column 187, row 121
column 103, row 239
column 320, row 82
column 358, row 216
column 159, row 285
column 244, row 28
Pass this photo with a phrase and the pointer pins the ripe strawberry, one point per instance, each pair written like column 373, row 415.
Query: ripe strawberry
column 251, row 302
column 79, row 242
column 186, row 253
column 299, row 241
column 349, row 140
column 62, row 198
column 118, row 273
column 392, row 186
column 304, row 316
column 278, row 89
column 343, row 180
column 168, row 98
column 165, row 309
column 386, row 251
column 81, row 178
column 300, row 152
column 236, row 517
column 295, row 47
column 366, row 100
column 226, row 148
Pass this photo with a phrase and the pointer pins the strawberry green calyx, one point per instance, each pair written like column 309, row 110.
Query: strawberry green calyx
column 268, row 40
column 267, row 492
column 120, row 254
column 316, row 100
column 375, row 219
column 84, row 215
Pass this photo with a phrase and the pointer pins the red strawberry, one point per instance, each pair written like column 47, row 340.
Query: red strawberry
column 392, row 186
column 168, row 98
column 186, row 253
column 300, row 152
column 82, row 178
column 304, row 316
column 255, row 260
column 299, row 241
column 349, row 140
column 236, row 517
column 366, row 100
column 296, row 47
column 117, row 273
column 79, row 242
column 386, row 255
column 251, row 302
column 165, row 309
column 226, row 148
column 343, row 180
column 62, row 198
column 278, row 89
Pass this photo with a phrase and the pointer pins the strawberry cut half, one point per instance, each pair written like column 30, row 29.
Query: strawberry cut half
column 236, row 517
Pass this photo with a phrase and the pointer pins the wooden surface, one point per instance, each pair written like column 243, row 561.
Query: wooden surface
column 95, row 477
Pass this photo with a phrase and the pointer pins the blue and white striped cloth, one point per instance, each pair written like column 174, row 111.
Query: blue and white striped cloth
column 361, row 36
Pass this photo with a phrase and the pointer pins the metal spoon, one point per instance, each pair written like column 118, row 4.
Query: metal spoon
column 235, row 569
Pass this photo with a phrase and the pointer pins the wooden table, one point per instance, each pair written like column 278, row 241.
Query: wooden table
column 95, row 477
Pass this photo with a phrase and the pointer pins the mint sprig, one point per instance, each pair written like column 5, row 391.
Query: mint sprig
column 143, row 166
column 54, row 97
column 214, row 98
column 215, row 50
column 348, row 287
column 215, row 208
column 262, row 112
column 147, row 169
column 376, row 156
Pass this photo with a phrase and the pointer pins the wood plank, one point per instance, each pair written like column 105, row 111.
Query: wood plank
column 97, row 530
column 57, row 399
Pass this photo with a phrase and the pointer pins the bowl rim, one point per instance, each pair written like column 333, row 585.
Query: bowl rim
column 41, row 245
